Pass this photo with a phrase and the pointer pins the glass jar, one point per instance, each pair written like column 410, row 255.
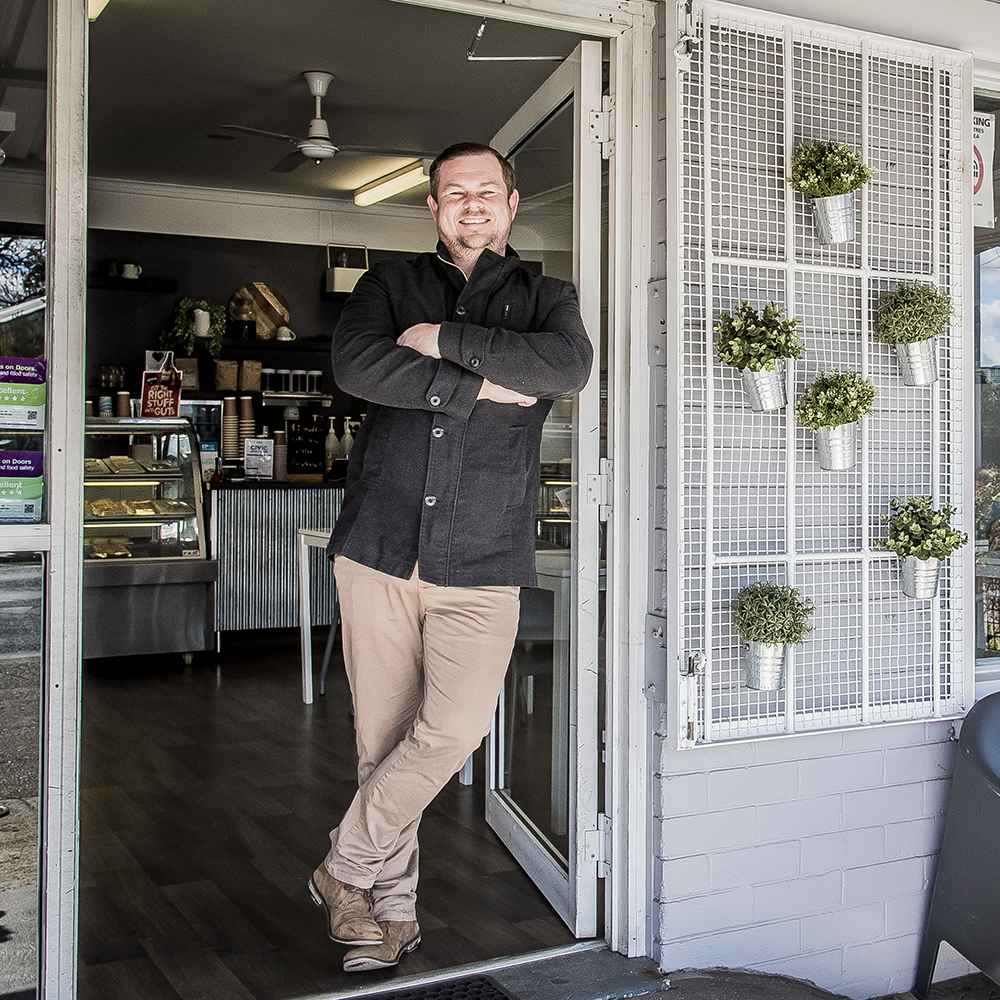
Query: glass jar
column 267, row 380
column 314, row 381
column 298, row 380
column 284, row 377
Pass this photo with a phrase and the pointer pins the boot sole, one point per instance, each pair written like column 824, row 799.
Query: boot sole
column 368, row 964
column 318, row 899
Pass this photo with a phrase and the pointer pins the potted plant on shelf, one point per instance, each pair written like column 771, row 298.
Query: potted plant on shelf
column 911, row 316
column 196, row 320
column 921, row 536
column 828, row 173
column 831, row 405
column 757, row 343
column 770, row 617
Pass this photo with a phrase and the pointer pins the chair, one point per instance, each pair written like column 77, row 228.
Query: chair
column 965, row 902
column 306, row 538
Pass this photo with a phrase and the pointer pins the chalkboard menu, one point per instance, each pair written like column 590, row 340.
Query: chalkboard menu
column 306, row 451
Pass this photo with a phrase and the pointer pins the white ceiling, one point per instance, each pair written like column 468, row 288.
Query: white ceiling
column 165, row 74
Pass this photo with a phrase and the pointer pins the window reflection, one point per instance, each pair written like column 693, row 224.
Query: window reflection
column 987, row 489
column 20, row 678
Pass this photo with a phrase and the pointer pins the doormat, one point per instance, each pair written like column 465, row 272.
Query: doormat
column 472, row 988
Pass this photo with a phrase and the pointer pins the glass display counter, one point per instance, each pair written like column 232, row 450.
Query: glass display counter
column 147, row 578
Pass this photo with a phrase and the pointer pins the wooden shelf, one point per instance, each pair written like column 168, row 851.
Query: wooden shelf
column 312, row 345
column 158, row 286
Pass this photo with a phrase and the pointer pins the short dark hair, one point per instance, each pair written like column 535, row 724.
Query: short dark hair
column 458, row 149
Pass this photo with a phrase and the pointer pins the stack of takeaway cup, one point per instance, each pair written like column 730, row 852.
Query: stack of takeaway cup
column 230, row 429
column 246, row 424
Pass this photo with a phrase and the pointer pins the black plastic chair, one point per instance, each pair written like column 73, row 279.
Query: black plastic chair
column 965, row 903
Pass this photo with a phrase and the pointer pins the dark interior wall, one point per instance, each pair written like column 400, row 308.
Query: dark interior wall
column 123, row 324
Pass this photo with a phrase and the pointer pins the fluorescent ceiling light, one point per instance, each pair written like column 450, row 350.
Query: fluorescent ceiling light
column 395, row 183
column 94, row 8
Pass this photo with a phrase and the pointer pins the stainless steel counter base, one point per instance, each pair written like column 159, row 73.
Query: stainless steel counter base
column 135, row 607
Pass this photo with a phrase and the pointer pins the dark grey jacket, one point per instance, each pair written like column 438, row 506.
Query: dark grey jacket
column 436, row 475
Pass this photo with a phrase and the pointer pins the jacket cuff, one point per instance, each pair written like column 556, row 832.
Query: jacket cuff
column 453, row 391
column 463, row 343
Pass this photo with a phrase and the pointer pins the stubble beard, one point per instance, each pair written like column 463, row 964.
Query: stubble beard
column 470, row 247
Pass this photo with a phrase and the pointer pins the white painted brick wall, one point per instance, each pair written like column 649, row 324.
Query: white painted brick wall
column 810, row 856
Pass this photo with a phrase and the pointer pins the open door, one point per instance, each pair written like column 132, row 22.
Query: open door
column 543, row 760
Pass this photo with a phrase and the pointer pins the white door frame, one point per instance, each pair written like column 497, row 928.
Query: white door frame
column 631, row 722
column 627, row 24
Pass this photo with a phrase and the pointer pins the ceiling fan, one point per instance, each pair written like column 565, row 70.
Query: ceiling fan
column 317, row 145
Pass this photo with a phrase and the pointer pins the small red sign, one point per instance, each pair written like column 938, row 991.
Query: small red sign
column 161, row 392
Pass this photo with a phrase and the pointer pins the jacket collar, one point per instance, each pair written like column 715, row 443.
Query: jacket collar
column 489, row 262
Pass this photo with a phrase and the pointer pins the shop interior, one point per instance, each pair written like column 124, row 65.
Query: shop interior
column 207, row 786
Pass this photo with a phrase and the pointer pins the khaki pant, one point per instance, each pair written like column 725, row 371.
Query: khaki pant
column 425, row 664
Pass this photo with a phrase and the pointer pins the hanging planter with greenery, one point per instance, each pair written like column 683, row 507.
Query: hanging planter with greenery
column 758, row 343
column 829, row 173
column 831, row 405
column 910, row 317
column 184, row 333
column 921, row 536
column 769, row 617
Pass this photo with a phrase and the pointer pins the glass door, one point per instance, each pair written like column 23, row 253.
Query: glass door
column 542, row 797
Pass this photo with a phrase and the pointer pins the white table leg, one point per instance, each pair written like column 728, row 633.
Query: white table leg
column 305, row 620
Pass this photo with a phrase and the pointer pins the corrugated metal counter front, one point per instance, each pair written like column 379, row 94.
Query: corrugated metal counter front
column 253, row 536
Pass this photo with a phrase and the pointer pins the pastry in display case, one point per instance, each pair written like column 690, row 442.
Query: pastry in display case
column 146, row 565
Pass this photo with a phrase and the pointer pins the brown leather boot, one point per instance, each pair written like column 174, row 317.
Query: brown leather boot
column 348, row 909
column 399, row 938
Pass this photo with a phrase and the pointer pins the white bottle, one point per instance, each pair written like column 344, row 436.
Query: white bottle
column 332, row 445
column 347, row 441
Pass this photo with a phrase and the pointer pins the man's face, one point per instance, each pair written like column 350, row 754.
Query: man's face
column 472, row 210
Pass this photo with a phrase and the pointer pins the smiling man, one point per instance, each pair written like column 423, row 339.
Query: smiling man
column 459, row 354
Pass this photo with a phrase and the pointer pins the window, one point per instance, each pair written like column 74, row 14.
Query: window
column 987, row 361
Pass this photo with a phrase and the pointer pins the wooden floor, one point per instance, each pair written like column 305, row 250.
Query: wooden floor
column 207, row 794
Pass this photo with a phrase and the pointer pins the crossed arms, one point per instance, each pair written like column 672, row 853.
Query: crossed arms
column 423, row 338
column 449, row 366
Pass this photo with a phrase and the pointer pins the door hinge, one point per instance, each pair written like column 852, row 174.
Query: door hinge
column 599, row 489
column 602, row 127
column 597, row 845
column 657, row 291
column 694, row 670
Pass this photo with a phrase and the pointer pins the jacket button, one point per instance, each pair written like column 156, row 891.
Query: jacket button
column 460, row 310
column 434, row 400
column 437, row 432
column 474, row 362
column 430, row 501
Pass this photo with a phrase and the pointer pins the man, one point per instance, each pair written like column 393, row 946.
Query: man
column 459, row 354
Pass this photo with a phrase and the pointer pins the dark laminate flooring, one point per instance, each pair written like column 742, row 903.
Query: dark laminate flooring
column 207, row 794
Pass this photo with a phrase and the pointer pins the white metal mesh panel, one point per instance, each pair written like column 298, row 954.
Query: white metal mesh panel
column 754, row 503
column 830, row 675
column 746, row 110
column 828, row 507
column 901, row 122
column 826, row 84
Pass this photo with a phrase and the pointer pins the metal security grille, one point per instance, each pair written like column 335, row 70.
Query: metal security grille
column 753, row 502
column 470, row 988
